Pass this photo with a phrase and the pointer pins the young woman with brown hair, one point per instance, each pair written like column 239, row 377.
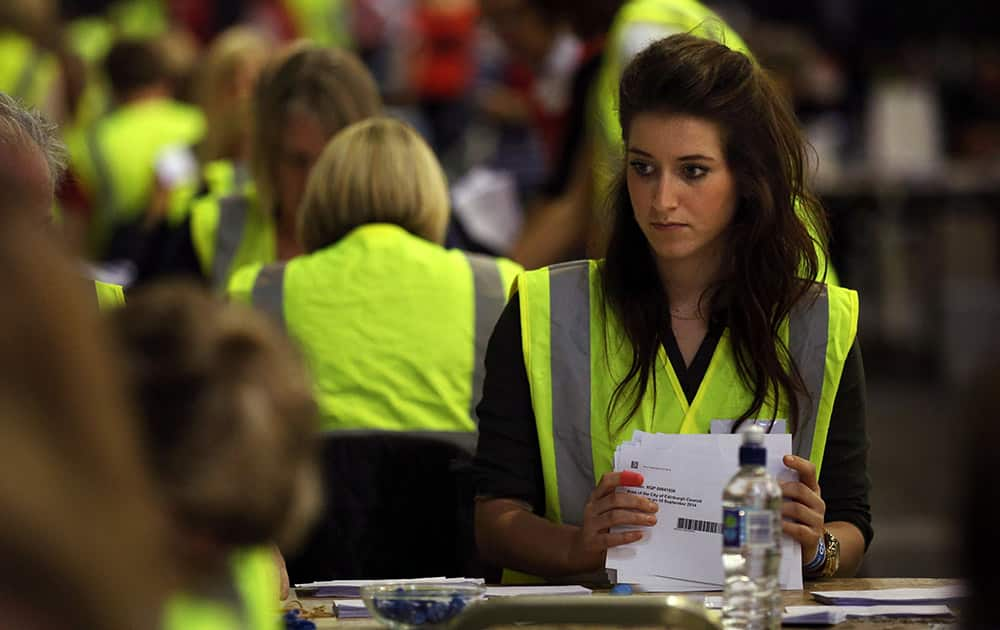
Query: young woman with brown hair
column 701, row 310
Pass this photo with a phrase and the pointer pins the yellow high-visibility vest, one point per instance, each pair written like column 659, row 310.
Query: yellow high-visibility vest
column 575, row 356
column 393, row 327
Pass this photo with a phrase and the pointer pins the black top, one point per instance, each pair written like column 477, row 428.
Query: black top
column 508, row 459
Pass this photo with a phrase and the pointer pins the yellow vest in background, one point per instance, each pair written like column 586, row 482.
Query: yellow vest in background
column 219, row 178
column 231, row 231
column 394, row 328
column 575, row 358
column 115, row 159
column 109, row 296
column 27, row 72
column 255, row 581
column 91, row 38
column 325, row 22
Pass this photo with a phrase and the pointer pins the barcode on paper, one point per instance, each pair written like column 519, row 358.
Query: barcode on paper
column 759, row 524
column 693, row 525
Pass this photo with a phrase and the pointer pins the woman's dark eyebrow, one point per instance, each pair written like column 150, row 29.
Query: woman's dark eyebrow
column 696, row 156
column 639, row 152
column 683, row 158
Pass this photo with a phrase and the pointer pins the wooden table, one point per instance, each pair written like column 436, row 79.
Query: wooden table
column 791, row 598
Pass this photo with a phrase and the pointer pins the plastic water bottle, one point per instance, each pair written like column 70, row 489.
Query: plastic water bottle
column 751, row 541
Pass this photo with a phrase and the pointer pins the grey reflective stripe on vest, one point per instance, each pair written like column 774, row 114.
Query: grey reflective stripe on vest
column 465, row 440
column 268, row 293
column 569, row 317
column 808, row 336
column 106, row 207
column 22, row 87
column 241, row 176
column 233, row 211
column 491, row 297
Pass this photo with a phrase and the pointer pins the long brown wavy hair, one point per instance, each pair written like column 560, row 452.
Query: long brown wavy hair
column 770, row 250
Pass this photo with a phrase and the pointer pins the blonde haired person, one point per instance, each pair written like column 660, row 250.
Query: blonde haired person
column 393, row 327
column 302, row 98
column 223, row 90
column 82, row 538
column 229, row 427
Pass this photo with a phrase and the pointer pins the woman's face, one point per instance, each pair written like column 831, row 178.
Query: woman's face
column 682, row 191
column 301, row 145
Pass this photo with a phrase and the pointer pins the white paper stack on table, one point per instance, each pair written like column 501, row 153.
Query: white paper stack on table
column 685, row 475
column 946, row 594
column 352, row 588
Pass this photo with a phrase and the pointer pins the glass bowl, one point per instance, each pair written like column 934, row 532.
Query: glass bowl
column 402, row 606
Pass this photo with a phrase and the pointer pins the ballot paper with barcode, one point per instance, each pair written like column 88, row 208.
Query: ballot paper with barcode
column 685, row 475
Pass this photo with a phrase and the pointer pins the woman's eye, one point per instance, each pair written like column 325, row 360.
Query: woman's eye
column 694, row 171
column 641, row 169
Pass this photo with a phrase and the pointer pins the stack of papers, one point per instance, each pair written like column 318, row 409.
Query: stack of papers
column 352, row 588
column 352, row 609
column 897, row 596
column 830, row 615
column 519, row 591
column 685, row 475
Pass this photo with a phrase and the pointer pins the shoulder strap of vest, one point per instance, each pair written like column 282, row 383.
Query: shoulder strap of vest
column 808, row 337
column 569, row 335
column 233, row 211
column 490, row 299
column 26, row 79
column 268, row 293
column 106, row 203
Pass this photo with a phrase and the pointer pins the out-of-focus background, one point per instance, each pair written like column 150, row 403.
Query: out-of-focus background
column 901, row 101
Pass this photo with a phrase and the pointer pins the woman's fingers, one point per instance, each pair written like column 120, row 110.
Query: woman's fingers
column 802, row 514
column 797, row 491
column 806, row 470
column 618, row 518
column 619, row 538
column 623, row 501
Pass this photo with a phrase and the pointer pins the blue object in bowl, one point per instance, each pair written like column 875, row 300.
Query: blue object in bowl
column 419, row 605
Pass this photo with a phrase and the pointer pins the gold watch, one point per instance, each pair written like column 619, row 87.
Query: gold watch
column 832, row 563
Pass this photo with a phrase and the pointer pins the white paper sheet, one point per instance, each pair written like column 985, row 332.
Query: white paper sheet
column 518, row 591
column 685, row 475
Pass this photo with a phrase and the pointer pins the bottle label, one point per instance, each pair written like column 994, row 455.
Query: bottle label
column 750, row 528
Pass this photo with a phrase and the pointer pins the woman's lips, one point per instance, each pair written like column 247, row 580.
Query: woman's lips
column 669, row 227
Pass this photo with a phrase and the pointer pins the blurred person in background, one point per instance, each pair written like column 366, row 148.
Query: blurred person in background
column 533, row 92
column 393, row 325
column 29, row 71
column 228, row 423
column 83, row 540
column 561, row 228
column 218, row 165
column 441, row 66
column 32, row 163
column 980, row 498
column 302, row 98
column 114, row 158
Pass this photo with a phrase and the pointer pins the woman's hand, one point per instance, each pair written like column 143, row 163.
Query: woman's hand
column 804, row 509
column 606, row 509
